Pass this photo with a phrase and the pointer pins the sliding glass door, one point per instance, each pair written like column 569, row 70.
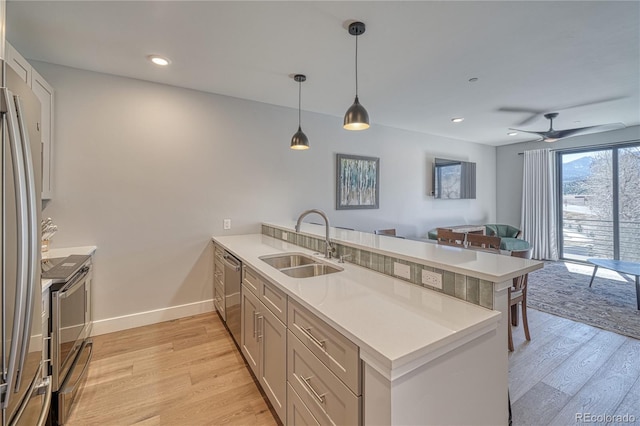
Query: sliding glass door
column 600, row 203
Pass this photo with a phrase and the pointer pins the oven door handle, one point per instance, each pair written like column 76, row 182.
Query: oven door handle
column 72, row 285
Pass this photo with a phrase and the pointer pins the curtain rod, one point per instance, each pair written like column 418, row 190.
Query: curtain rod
column 588, row 147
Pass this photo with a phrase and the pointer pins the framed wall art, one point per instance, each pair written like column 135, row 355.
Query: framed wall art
column 357, row 182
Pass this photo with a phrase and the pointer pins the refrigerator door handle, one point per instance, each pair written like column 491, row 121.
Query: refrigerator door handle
column 33, row 247
column 35, row 389
column 27, row 397
column 44, row 414
column 7, row 107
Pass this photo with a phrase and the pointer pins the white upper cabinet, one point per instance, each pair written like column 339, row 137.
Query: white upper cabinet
column 19, row 64
column 44, row 92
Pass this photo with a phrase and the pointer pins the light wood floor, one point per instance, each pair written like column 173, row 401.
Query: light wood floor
column 182, row 372
column 569, row 368
column 189, row 372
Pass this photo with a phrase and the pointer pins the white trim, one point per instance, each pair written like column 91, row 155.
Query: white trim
column 140, row 319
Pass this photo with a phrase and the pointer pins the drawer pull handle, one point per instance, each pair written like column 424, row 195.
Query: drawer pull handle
column 319, row 343
column 320, row 398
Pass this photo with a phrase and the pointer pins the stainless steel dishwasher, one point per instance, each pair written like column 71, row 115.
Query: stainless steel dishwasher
column 232, row 296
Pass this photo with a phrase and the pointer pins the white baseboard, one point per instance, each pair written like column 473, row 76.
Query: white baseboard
column 140, row 319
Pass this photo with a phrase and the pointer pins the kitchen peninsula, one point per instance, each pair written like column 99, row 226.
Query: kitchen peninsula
column 425, row 357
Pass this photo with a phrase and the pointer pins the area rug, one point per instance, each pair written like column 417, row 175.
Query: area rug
column 562, row 289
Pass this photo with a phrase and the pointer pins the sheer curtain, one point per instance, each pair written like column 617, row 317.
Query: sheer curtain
column 538, row 220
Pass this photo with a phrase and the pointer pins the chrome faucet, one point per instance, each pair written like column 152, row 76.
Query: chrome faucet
column 328, row 249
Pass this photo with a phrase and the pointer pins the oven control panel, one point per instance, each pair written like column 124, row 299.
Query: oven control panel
column 66, row 268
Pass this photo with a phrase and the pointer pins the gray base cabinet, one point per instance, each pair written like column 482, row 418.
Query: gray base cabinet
column 272, row 335
column 310, row 373
column 264, row 344
column 250, row 345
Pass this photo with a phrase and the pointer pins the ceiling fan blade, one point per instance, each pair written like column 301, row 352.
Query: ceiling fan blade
column 589, row 129
column 541, row 134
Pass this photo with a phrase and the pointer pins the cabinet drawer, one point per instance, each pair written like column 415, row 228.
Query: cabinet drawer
column 326, row 397
column 297, row 413
column 217, row 252
column 218, row 302
column 337, row 352
column 274, row 299
column 218, row 270
column 251, row 280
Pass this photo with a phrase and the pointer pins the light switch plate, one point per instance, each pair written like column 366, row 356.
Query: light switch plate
column 432, row 278
column 226, row 224
column 401, row 270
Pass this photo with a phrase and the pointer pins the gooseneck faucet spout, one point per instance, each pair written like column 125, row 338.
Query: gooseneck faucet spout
column 328, row 248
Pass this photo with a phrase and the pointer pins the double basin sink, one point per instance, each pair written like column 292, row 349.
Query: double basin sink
column 298, row 265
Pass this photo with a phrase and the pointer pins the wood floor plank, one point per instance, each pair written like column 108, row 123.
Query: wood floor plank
column 630, row 405
column 186, row 372
column 606, row 390
column 539, row 405
column 576, row 370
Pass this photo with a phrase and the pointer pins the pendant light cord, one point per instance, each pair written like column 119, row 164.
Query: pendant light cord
column 299, row 102
column 356, row 66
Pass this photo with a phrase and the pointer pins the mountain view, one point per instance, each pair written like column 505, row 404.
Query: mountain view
column 575, row 173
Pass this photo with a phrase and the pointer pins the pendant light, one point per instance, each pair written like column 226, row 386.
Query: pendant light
column 356, row 117
column 299, row 139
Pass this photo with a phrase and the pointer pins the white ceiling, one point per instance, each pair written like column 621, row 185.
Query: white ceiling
column 415, row 58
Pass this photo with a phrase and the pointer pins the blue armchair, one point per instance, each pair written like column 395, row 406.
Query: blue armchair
column 509, row 237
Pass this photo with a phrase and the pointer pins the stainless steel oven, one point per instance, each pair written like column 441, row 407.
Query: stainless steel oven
column 70, row 327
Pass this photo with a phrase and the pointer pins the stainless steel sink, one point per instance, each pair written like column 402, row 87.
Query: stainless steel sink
column 288, row 260
column 307, row 271
column 299, row 265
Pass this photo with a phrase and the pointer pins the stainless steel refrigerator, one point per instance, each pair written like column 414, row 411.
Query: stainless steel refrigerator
column 25, row 392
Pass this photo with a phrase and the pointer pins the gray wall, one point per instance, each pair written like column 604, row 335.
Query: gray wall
column 510, row 165
column 148, row 172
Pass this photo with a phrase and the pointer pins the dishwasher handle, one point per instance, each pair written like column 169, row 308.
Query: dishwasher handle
column 231, row 262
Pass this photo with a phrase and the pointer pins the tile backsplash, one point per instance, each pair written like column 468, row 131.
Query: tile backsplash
column 473, row 290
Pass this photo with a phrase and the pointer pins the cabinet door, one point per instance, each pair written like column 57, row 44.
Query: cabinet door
column 272, row 335
column 250, row 344
column 44, row 92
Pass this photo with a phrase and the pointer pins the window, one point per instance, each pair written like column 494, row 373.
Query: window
column 600, row 203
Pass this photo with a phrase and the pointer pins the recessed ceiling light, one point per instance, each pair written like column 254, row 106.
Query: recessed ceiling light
column 457, row 119
column 512, row 133
column 159, row 60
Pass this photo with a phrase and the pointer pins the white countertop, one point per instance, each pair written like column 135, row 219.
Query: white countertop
column 474, row 263
column 68, row 251
column 397, row 325
column 64, row 252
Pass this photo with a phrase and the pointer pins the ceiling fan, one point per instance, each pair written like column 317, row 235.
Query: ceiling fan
column 553, row 135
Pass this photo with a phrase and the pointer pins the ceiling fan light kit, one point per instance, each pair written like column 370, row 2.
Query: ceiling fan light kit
column 299, row 141
column 356, row 117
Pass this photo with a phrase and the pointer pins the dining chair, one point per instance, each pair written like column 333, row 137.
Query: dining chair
column 484, row 242
column 518, row 295
column 450, row 238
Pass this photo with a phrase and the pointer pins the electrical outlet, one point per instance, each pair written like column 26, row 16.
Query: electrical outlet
column 432, row 278
column 226, row 224
column 400, row 270
column 285, row 236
